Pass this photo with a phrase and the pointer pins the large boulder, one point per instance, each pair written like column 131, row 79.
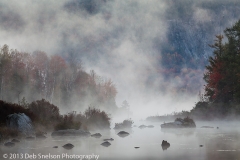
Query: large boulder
column 96, row 135
column 20, row 122
column 71, row 132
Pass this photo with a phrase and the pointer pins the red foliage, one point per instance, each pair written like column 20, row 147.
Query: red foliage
column 214, row 77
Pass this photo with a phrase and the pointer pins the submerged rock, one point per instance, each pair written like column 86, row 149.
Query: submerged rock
column 20, row 122
column 136, row 147
column 142, row 126
column 150, row 126
column 15, row 140
column 207, row 127
column 9, row 144
column 122, row 134
column 165, row 145
column 96, row 135
column 201, row 145
column 111, row 139
column 41, row 137
column 55, row 146
column 106, row 144
column 70, row 132
column 68, row 146
column 30, row 138
column 180, row 123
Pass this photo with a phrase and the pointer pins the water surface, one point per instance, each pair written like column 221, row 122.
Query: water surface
column 185, row 144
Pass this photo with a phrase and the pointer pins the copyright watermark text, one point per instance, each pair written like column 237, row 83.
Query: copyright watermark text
column 50, row 156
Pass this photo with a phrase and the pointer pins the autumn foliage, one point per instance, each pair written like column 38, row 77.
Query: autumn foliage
column 61, row 81
column 91, row 119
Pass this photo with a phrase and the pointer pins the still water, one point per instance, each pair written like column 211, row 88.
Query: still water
column 185, row 144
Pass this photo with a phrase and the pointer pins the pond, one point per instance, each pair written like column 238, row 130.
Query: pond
column 221, row 143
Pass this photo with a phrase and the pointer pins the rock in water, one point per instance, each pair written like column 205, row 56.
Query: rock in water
column 150, row 126
column 106, row 144
column 9, row 144
column 30, row 138
column 122, row 134
column 55, row 146
column 20, row 122
column 96, row 135
column 70, row 132
column 142, row 126
column 111, row 139
column 165, row 145
column 15, row 140
column 180, row 123
column 40, row 135
column 207, row 127
column 68, row 146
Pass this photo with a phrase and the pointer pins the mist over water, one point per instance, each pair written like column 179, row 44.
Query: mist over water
column 222, row 143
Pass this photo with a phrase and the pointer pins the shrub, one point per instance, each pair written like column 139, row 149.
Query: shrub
column 69, row 121
column 46, row 114
column 96, row 119
column 125, row 124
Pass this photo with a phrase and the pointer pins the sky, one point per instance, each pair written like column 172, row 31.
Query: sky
column 115, row 38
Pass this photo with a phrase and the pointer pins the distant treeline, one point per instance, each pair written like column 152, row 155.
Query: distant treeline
column 61, row 81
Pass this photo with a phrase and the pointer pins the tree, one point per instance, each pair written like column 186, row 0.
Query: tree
column 4, row 68
column 214, row 73
column 222, row 75
column 41, row 62
column 57, row 67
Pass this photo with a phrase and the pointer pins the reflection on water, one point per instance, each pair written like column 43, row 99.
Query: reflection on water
column 185, row 144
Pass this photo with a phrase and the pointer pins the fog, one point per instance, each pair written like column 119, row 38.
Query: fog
column 185, row 144
column 120, row 40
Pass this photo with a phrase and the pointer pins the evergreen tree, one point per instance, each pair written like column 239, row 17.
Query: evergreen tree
column 223, row 72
